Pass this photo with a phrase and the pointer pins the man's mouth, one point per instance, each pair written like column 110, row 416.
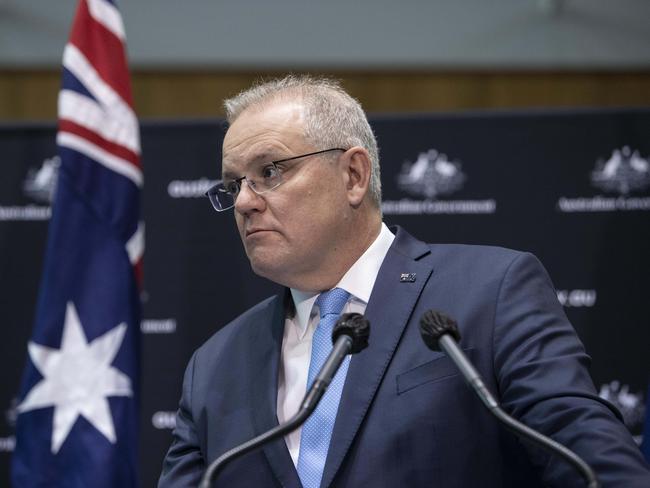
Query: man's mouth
column 250, row 232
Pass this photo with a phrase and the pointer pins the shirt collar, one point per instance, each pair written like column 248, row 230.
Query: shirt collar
column 358, row 281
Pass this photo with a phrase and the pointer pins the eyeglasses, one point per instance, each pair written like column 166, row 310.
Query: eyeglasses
column 265, row 177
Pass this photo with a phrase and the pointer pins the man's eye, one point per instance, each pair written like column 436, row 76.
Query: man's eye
column 232, row 187
column 270, row 171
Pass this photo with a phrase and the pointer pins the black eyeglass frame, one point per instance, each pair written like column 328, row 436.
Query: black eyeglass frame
column 219, row 188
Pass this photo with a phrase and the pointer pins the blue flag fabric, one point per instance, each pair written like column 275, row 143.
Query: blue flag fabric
column 77, row 422
column 645, row 444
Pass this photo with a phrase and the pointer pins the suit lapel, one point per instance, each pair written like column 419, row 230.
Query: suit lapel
column 389, row 309
column 266, row 347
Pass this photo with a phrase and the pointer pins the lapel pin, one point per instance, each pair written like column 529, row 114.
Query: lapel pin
column 407, row 278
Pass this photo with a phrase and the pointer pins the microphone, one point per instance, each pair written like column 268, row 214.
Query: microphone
column 350, row 336
column 439, row 330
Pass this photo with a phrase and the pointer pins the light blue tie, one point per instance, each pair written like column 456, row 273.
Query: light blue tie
column 317, row 430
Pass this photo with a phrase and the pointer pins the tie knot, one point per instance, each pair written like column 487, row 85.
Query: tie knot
column 332, row 301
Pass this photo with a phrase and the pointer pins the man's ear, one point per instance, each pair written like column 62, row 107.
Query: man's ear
column 358, row 168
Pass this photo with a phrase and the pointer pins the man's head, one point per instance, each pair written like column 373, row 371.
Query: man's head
column 332, row 117
column 308, row 231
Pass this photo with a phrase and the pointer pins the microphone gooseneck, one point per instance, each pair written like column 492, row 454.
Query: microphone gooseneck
column 350, row 336
column 441, row 331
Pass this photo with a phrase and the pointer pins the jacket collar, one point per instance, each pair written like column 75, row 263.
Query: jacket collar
column 389, row 310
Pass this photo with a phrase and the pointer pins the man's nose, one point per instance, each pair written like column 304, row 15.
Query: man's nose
column 247, row 200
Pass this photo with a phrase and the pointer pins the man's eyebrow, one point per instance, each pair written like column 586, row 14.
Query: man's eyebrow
column 264, row 157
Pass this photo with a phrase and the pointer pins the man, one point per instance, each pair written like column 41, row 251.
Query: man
column 301, row 169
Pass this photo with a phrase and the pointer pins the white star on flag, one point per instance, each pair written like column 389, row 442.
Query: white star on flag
column 77, row 379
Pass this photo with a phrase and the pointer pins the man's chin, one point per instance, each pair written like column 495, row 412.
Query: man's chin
column 266, row 268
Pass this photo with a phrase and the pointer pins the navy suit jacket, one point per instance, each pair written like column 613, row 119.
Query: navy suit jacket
column 406, row 418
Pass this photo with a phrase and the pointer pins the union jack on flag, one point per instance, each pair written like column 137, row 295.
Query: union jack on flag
column 77, row 416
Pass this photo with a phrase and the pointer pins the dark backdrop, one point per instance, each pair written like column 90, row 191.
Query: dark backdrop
column 572, row 187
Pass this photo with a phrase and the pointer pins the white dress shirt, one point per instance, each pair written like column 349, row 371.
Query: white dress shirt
column 299, row 330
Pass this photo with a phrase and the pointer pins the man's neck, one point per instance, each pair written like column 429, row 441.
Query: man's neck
column 331, row 273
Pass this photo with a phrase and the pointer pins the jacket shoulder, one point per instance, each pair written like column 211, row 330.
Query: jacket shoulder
column 236, row 329
column 414, row 248
column 471, row 251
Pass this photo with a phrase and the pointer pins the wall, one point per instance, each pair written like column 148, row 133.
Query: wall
column 364, row 34
column 31, row 94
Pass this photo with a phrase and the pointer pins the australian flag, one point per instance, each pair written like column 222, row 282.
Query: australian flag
column 77, row 413
column 645, row 446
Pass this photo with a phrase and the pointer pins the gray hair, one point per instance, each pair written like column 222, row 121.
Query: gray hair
column 332, row 117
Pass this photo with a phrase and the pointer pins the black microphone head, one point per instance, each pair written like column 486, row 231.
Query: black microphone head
column 433, row 325
column 355, row 326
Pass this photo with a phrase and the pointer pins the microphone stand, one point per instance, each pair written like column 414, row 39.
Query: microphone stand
column 518, row 428
column 350, row 336
column 278, row 431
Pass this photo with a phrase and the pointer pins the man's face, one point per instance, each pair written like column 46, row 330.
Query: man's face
column 294, row 232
